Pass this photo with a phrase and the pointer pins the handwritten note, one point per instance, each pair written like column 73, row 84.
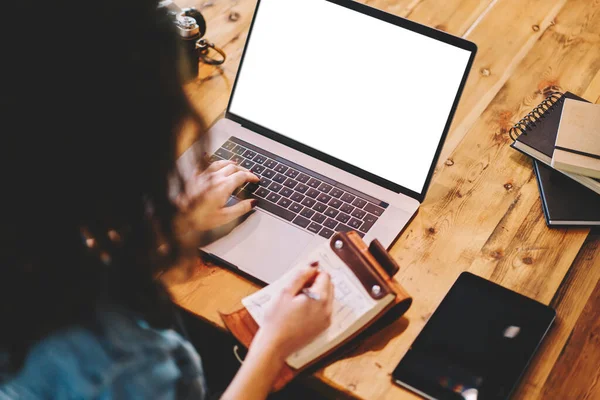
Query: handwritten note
column 351, row 305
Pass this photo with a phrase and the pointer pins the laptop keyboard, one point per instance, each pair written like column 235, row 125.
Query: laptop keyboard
column 304, row 198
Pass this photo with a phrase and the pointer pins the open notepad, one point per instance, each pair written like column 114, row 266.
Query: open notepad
column 363, row 289
column 352, row 305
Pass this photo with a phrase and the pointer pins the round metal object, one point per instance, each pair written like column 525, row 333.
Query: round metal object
column 187, row 26
column 376, row 290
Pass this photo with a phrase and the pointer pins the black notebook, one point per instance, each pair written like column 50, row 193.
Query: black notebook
column 535, row 134
column 564, row 201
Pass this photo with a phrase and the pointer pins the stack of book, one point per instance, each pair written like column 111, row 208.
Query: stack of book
column 562, row 136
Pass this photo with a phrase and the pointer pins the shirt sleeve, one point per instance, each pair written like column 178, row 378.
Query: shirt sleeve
column 127, row 360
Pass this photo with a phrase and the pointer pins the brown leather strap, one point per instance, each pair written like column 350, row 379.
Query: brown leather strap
column 380, row 254
column 347, row 251
column 403, row 300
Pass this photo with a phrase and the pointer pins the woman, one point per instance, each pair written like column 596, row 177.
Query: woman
column 93, row 105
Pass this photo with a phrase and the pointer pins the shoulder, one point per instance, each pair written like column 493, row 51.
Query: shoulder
column 124, row 358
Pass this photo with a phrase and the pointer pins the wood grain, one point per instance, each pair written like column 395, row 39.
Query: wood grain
column 592, row 93
column 489, row 190
column 569, row 301
column 453, row 16
column 402, row 8
column 524, row 22
column 482, row 212
column 578, row 363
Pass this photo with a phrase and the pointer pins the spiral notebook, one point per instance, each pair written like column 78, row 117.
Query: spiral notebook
column 535, row 134
column 564, row 202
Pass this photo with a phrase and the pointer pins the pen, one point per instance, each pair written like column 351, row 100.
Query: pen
column 311, row 295
column 306, row 291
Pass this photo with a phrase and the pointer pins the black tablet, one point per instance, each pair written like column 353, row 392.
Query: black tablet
column 476, row 345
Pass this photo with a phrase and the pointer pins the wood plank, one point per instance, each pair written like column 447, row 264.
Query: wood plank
column 524, row 22
column 486, row 23
column 576, row 373
column 489, row 143
column 470, row 199
column 205, row 290
column 453, row 16
column 401, row 8
column 592, row 93
column 521, row 246
column 568, row 302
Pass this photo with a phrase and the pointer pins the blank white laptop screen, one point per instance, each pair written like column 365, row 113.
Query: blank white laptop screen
column 362, row 90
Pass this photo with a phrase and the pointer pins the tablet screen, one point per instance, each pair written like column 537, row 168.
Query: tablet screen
column 477, row 343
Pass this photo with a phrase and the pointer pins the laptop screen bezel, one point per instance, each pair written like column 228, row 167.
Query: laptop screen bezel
column 392, row 19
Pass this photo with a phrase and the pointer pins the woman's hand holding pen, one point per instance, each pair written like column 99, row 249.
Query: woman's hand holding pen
column 302, row 311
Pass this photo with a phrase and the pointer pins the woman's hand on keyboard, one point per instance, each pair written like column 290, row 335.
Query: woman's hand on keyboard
column 208, row 191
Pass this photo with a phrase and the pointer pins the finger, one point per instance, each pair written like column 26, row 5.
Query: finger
column 229, row 170
column 201, row 183
column 218, row 165
column 322, row 286
column 300, row 280
column 182, row 201
column 331, row 298
column 235, row 211
column 238, row 179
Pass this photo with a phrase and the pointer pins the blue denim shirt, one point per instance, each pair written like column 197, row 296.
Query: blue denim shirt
column 127, row 360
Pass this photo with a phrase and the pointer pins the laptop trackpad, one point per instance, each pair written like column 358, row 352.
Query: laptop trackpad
column 263, row 246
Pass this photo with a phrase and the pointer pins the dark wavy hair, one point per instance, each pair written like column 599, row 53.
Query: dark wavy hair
column 94, row 102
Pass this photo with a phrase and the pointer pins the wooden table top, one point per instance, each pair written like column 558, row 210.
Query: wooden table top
column 482, row 212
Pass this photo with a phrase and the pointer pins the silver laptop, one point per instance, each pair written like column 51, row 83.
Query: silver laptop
column 342, row 111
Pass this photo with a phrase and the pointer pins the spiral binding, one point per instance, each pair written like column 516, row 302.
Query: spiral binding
column 529, row 121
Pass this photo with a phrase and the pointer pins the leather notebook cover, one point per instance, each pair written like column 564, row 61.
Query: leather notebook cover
column 372, row 265
column 564, row 201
